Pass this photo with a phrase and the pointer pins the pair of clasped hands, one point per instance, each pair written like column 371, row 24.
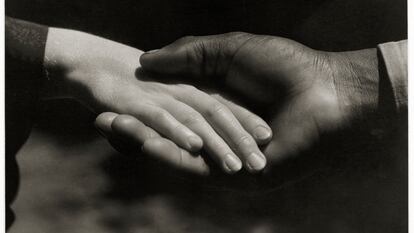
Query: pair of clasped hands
column 187, row 127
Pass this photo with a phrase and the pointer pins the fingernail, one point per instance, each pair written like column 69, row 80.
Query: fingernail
column 152, row 51
column 194, row 143
column 262, row 133
column 255, row 162
column 232, row 164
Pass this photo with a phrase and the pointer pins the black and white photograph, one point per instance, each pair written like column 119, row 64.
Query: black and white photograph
column 206, row 116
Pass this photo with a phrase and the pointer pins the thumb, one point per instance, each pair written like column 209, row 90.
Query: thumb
column 201, row 56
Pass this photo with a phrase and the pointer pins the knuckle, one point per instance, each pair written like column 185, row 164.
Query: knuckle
column 160, row 116
column 252, row 119
column 245, row 141
column 151, row 133
column 215, row 109
column 218, row 97
column 188, row 88
column 185, row 39
column 195, row 55
column 230, row 37
column 217, row 146
column 198, row 46
column 236, row 34
column 176, row 129
column 137, row 109
column 192, row 119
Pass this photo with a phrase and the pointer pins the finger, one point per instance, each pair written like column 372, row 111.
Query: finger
column 129, row 136
column 227, row 126
column 166, row 151
column 213, row 143
column 131, row 130
column 253, row 124
column 165, row 124
column 125, row 133
column 136, row 133
column 123, row 126
column 103, row 122
column 123, row 143
column 200, row 56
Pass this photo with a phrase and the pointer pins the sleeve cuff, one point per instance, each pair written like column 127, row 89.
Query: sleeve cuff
column 394, row 56
column 25, row 41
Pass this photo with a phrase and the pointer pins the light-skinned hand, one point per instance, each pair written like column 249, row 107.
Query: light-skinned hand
column 103, row 75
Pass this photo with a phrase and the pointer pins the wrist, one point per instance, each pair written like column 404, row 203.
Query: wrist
column 74, row 61
column 356, row 80
column 61, row 54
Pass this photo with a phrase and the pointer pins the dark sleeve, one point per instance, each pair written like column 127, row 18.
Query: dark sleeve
column 25, row 41
column 25, row 47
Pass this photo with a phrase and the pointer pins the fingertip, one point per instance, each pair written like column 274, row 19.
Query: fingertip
column 195, row 143
column 232, row 164
column 255, row 162
column 262, row 134
column 147, row 58
column 165, row 60
column 104, row 120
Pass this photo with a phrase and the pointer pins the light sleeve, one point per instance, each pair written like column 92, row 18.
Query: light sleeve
column 394, row 58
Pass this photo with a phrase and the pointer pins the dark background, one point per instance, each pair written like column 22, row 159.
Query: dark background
column 73, row 182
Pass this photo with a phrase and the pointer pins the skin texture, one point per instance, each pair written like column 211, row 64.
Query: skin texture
column 307, row 93
column 106, row 76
